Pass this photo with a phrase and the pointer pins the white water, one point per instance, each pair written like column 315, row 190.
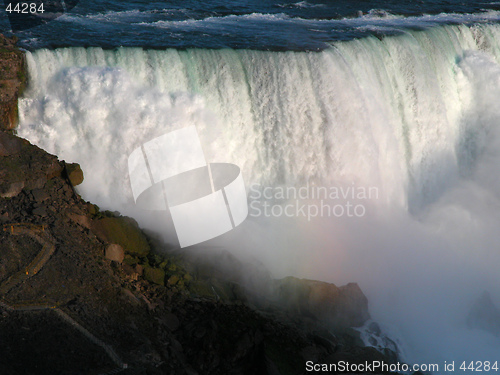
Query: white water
column 415, row 116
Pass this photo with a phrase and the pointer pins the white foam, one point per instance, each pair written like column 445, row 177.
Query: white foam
column 302, row 4
column 374, row 18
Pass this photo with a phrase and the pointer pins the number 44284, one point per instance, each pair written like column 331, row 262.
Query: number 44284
column 25, row 8
column 479, row 366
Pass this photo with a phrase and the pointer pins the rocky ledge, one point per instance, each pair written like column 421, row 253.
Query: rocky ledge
column 88, row 292
column 12, row 81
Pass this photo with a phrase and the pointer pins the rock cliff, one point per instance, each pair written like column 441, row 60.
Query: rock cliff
column 12, row 81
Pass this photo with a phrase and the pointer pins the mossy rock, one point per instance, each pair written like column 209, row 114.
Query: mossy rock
column 154, row 275
column 223, row 289
column 93, row 209
column 173, row 280
column 212, row 288
column 172, row 267
column 201, row 289
column 155, row 259
column 123, row 231
column 130, row 260
column 75, row 173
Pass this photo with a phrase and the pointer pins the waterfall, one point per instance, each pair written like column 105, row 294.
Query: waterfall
column 414, row 115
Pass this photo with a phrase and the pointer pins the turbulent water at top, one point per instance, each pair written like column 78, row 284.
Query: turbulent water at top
column 402, row 99
column 244, row 24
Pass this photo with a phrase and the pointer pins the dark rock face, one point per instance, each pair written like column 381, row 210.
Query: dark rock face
column 484, row 315
column 38, row 329
column 12, row 81
column 344, row 306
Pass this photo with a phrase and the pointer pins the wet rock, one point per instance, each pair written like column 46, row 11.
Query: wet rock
column 374, row 328
column 115, row 252
column 484, row 315
column 173, row 280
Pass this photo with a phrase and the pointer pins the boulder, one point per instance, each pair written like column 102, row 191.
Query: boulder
column 81, row 220
column 11, row 190
column 154, row 275
column 115, row 252
column 344, row 306
column 75, row 173
column 123, row 231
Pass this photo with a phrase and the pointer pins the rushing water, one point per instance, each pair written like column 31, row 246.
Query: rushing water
column 245, row 24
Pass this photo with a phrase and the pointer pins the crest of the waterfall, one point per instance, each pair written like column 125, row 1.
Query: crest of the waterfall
column 385, row 113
